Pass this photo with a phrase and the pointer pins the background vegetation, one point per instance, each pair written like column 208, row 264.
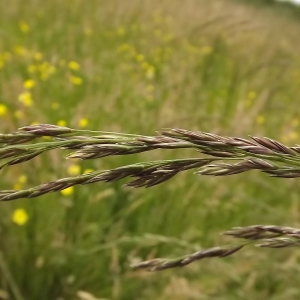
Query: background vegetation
column 137, row 66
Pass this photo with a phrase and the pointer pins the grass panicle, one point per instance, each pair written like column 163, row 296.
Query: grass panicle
column 264, row 236
column 145, row 175
column 226, row 155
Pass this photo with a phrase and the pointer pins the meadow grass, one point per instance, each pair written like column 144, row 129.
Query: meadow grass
column 135, row 67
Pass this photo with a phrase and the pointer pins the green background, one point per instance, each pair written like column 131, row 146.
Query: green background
column 225, row 67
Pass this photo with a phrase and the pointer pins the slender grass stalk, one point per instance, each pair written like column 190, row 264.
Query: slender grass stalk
column 263, row 236
column 145, row 174
column 10, row 279
column 108, row 143
column 226, row 155
column 145, row 240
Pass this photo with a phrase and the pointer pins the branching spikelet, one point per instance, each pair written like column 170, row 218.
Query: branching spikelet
column 266, row 236
column 226, row 155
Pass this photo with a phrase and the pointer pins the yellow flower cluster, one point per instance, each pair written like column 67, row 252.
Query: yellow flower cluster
column 62, row 123
column 74, row 170
column 3, row 109
column 43, row 69
column 149, row 70
column 87, row 31
column 73, row 65
column 20, row 216
column 26, row 99
column 251, row 96
column 83, row 122
column 24, row 27
column 75, row 80
column 20, row 51
column 131, row 53
column 29, row 84
column 19, row 114
column 260, row 119
column 68, row 191
column 55, row 105
column 22, row 180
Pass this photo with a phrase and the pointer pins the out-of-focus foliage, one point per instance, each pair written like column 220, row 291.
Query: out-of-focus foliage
column 138, row 66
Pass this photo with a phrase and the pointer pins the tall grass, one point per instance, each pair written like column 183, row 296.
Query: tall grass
column 215, row 66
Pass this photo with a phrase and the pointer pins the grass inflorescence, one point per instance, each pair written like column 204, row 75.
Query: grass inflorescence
column 224, row 155
column 138, row 66
column 265, row 236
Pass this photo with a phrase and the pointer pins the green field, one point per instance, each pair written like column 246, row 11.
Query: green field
column 223, row 67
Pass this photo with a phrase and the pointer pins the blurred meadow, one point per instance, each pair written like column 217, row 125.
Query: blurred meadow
column 225, row 67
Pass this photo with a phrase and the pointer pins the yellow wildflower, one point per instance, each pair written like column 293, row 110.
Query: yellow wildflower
column 68, row 191
column 260, row 119
column 21, row 51
column 38, row 56
column 3, row 109
column 150, row 73
column 293, row 136
column 29, row 84
column 123, row 48
column 206, row 50
column 20, row 216
column 73, row 65
column 22, row 179
column 83, row 122
column 88, row 31
column 150, row 88
column 19, row 114
column 140, row 57
column 46, row 69
column 55, row 105
column 24, row 27
column 51, row 69
column 76, row 80
column 74, row 170
column 17, row 186
column 62, row 123
column 145, row 65
column 252, row 95
column 120, row 31
column 26, row 99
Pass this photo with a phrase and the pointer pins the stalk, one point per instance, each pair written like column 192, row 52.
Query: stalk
column 145, row 174
column 108, row 144
column 263, row 236
column 224, row 155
